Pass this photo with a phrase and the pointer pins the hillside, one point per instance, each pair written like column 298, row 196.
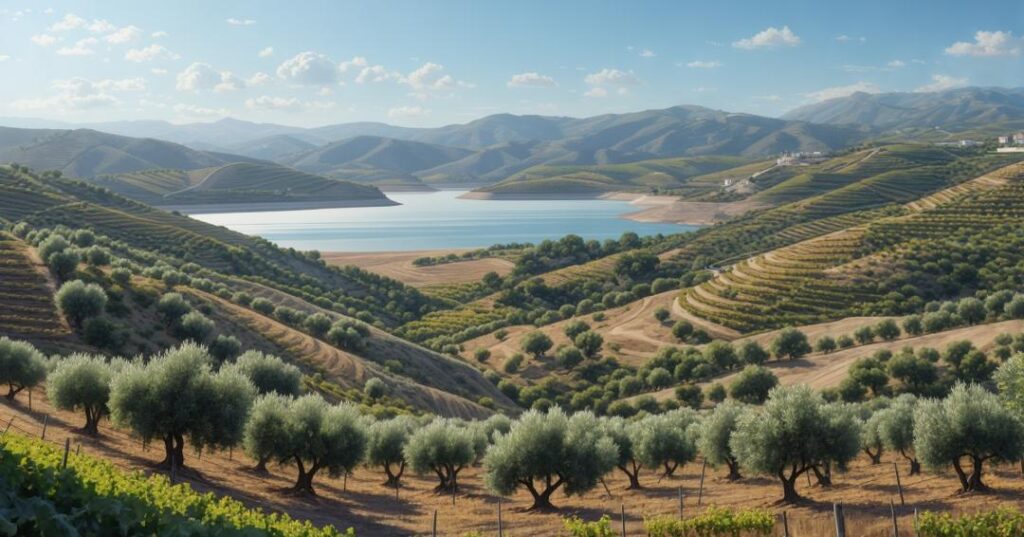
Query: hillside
column 240, row 183
column 88, row 153
column 989, row 109
column 272, row 147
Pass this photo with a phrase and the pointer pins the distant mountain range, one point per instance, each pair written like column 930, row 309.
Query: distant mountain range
column 954, row 110
column 496, row 147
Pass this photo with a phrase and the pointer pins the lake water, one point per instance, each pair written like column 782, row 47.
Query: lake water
column 439, row 220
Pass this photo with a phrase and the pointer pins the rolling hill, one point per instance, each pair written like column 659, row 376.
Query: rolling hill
column 88, row 153
column 961, row 109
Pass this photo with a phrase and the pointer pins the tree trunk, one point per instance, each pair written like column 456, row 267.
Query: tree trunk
column 789, row 494
column 960, row 474
column 13, row 390
column 734, row 469
column 670, row 469
column 876, row 457
column 915, row 467
column 974, row 482
column 261, row 465
column 542, row 500
column 174, row 452
column 92, row 422
column 824, row 478
column 633, row 475
column 393, row 477
column 304, row 481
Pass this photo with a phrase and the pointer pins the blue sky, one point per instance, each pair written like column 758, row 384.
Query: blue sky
column 425, row 63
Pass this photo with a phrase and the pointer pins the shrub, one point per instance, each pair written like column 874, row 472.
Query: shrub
column 63, row 264
column 753, row 384
column 589, row 343
column 568, row 357
column 790, row 343
column 845, row 342
column 172, row 306
column 912, row 325
column 536, row 343
column 224, row 348
column 716, row 392
column 864, row 335
column 575, row 328
column 661, row 315
column 682, row 330
column 825, row 344
column 887, row 329
column 513, row 363
column 349, row 335
column 751, row 352
column 194, row 326
column 374, row 389
column 103, row 333
column 482, row 355
column 317, row 324
column 263, row 306
column 121, row 276
column 80, row 301
column 690, row 395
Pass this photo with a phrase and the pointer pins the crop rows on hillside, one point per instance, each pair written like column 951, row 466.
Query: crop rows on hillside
column 27, row 298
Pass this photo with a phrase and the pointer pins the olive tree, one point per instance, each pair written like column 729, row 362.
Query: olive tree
column 444, row 447
column 624, row 434
column 786, row 437
column 386, row 441
column 265, row 434
column 751, row 352
column 194, row 326
column 715, row 432
column 544, row 452
column 268, row 373
column 753, row 384
column 871, row 438
column 79, row 301
column 536, row 343
column 896, row 429
column 172, row 306
column 969, row 423
column 790, row 343
column 666, row 440
column 1010, row 380
column 82, row 382
column 175, row 395
column 320, row 436
column 589, row 343
column 21, row 366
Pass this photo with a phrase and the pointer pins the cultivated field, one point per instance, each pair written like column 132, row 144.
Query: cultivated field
column 399, row 266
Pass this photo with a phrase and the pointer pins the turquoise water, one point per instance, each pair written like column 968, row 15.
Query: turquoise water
column 439, row 220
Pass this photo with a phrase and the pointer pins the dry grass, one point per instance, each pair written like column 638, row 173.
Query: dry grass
column 399, row 266
column 361, row 502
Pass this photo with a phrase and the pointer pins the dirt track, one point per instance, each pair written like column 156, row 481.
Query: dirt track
column 398, row 265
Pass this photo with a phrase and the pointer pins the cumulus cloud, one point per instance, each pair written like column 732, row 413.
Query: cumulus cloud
column 69, row 22
column 308, row 68
column 612, row 77
column 259, row 79
column 942, row 83
column 240, row 22
column 149, row 53
column 266, row 53
column 43, row 40
column 430, row 76
column 842, row 91
column 771, row 37
column 702, row 64
column 82, row 47
column 81, row 94
column 987, row 44
column 266, row 102
column 596, row 92
column 124, row 35
column 531, row 80
column 202, row 76
column 408, row 112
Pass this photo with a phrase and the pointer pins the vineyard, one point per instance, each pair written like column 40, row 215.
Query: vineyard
column 26, row 293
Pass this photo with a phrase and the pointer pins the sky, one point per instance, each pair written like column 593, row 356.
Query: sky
column 420, row 63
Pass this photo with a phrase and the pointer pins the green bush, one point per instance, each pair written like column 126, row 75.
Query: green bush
column 714, row 522
column 1003, row 522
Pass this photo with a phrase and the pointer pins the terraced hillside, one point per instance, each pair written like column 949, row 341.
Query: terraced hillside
column 26, row 294
column 240, row 182
column 841, row 273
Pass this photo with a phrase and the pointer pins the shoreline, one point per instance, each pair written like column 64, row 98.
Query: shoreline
column 269, row 206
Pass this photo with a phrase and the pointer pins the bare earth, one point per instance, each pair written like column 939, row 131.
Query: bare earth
column 398, row 265
column 373, row 510
column 694, row 212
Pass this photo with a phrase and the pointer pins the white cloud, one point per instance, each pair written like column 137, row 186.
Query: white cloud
column 842, row 91
column 408, row 112
column 357, row 62
column 124, row 35
column 769, row 38
column 309, row 68
column 266, row 53
column 376, row 73
column 987, row 44
column 157, row 71
column 194, row 111
column 158, row 34
column 647, row 53
column 81, row 94
column 531, row 80
column 429, row 76
column 266, row 102
column 941, row 83
column 701, row 64
column 240, row 22
column 43, row 40
column 596, row 91
column 202, row 76
column 149, row 53
column 69, row 22
column 259, row 79
column 846, row 39
column 612, row 77
column 100, row 26
column 896, row 64
column 82, row 47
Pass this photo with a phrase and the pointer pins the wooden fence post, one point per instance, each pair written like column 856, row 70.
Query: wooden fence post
column 899, row 484
column 916, row 531
column 837, row 512
column 500, row 531
column 9, row 423
column 174, row 469
column 46, row 421
column 700, row 491
column 785, row 525
column 78, row 450
column 67, row 447
column 622, row 513
column 433, row 531
column 30, row 399
column 680, row 503
column 895, row 524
